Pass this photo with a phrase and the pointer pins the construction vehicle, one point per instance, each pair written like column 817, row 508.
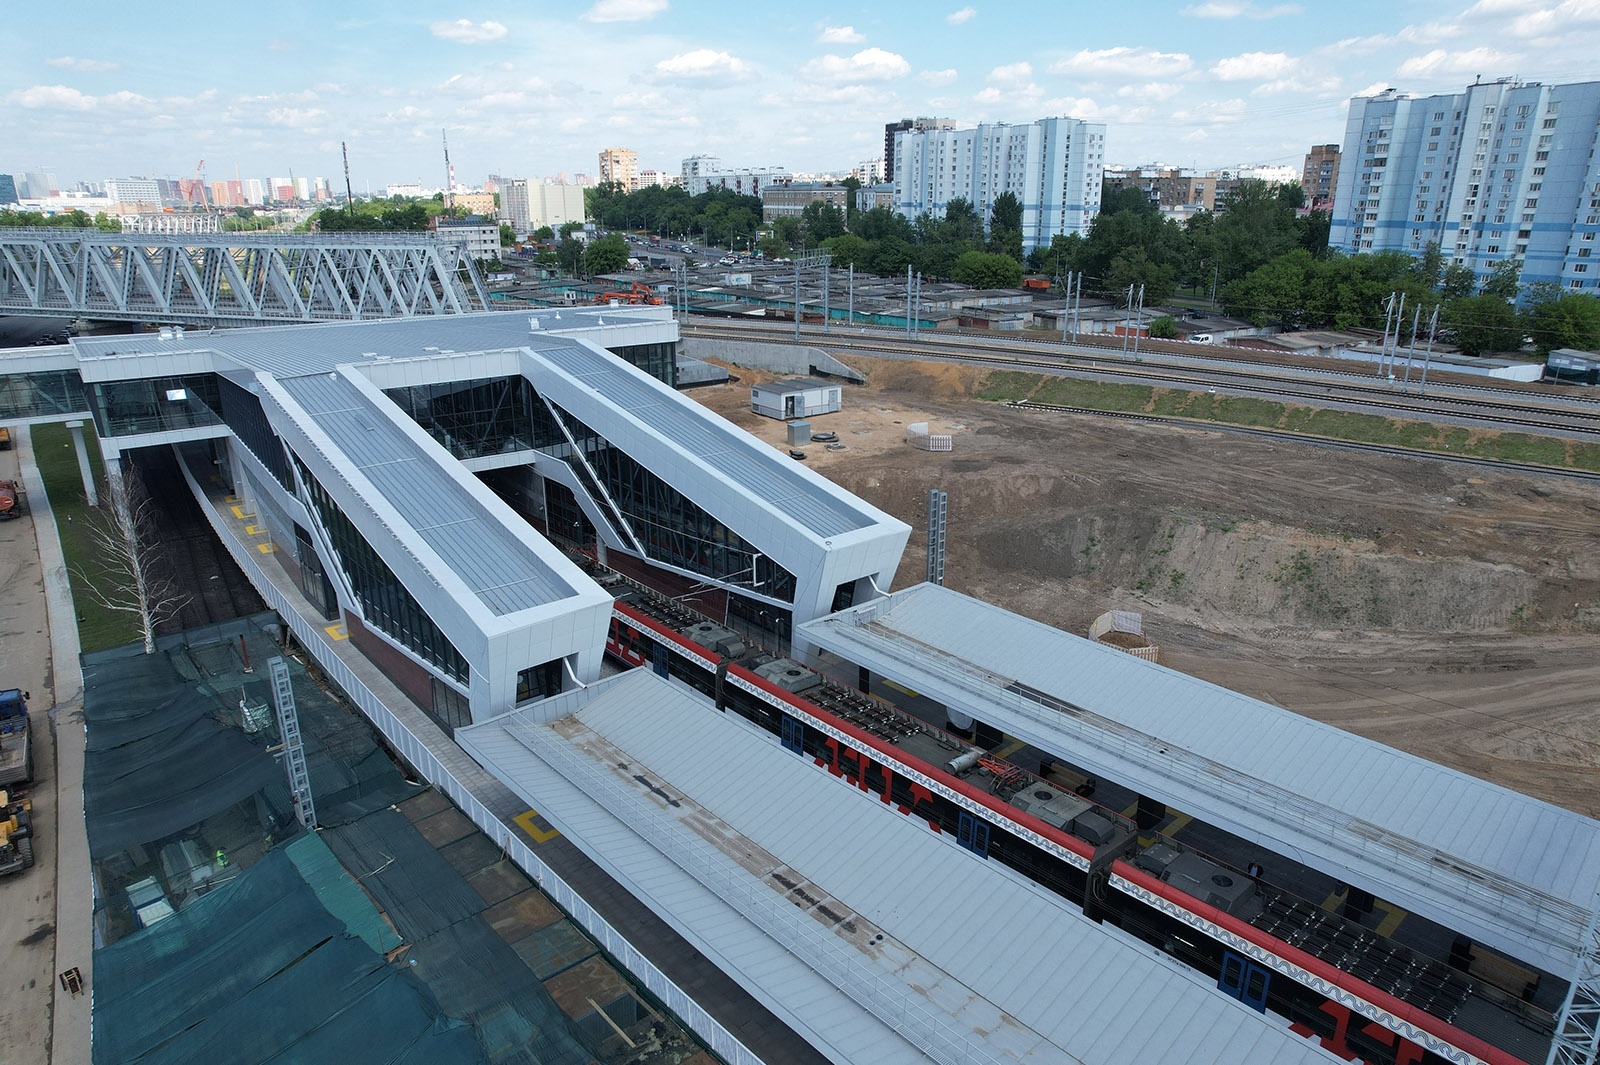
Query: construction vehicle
column 16, row 834
column 641, row 293
column 5, row 438
column 16, row 748
column 11, row 500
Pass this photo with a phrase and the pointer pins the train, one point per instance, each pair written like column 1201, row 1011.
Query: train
column 1326, row 977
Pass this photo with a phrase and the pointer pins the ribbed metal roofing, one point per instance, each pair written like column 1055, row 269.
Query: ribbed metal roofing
column 974, row 964
column 811, row 504
column 505, row 572
column 1512, row 871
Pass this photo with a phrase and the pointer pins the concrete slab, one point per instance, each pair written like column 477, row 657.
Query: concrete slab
column 522, row 915
column 554, row 950
column 500, row 881
column 445, row 827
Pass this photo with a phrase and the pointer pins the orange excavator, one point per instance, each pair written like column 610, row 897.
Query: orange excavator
column 641, row 293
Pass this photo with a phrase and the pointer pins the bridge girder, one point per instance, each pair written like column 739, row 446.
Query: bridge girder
column 233, row 279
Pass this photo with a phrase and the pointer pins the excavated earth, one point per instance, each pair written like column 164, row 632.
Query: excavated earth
column 1448, row 610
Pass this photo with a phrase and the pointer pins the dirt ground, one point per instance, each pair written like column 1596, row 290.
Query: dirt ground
column 1449, row 611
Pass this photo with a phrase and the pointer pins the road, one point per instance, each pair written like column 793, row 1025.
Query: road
column 28, row 899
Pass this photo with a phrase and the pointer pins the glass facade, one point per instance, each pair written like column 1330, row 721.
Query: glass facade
column 42, row 394
column 658, row 360
column 241, row 409
column 539, row 682
column 505, row 414
column 488, row 417
column 128, row 408
column 385, row 603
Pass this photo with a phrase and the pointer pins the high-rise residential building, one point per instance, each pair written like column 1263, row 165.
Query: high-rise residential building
column 1504, row 170
column 620, row 165
column 1320, row 176
column 134, row 191
column 38, row 185
column 1052, row 166
column 528, row 205
column 656, row 178
column 255, row 193
column 1170, row 188
column 8, row 189
column 696, row 167
column 907, row 125
column 514, row 210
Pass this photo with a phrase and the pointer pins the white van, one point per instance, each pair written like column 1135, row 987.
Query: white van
column 1199, row 338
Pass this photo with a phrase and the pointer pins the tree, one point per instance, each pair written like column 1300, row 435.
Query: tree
column 126, row 571
column 852, row 185
column 982, row 269
column 1481, row 324
column 1568, row 321
column 569, row 255
column 849, row 250
column 606, row 255
column 1163, row 328
column 544, row 233
column 1253, row 227
column 820, row 221
column 1503, row 280
column 508, row 236
column 1005, row 226
column 1458, row 281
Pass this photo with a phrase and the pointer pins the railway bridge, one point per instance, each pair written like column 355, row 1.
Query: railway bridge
column 232, row 279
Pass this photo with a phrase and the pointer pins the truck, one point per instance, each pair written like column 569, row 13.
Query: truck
column 16, row 834
column 5, row 438
column 16, row 750
column 12, row 502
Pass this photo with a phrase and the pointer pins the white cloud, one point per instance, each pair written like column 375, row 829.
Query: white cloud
column 1442, row 62
column 702, row 63
column 296, row 117
column 956, row 18
column 1258, row 66
column 1151, row 91
column 1019, row 73
column 869, row 64
column 1239, row 9
column 1539, row 18
column 840, row 35
column 71, row 62
column 1124, row 62
column 624, row 10
column 465, row 31
column 54, row 97
column 939, row 77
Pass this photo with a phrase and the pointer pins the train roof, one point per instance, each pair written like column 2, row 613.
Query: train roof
column 1509, row 870
column 875, row 937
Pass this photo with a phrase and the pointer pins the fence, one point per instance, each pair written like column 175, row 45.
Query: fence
column 918, row 436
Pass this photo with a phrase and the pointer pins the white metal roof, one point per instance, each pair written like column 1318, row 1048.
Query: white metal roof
column 501, row 568
column 1511, row 871
column 769, row 859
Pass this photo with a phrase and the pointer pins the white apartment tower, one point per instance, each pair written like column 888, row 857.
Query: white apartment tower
column 1502, row 170
column 1053, row 166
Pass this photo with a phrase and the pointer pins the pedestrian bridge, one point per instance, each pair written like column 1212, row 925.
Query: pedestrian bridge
column 231, row 279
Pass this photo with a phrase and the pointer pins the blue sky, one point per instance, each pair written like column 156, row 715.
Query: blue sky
column 532, row 87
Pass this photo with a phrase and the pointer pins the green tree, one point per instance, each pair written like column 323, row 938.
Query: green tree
column 820, row 221
column 508, row 236
column 1275, row 291
column 1481, row 324
column 1567, row 321
column 1458, row 281
column 852, row 185
column 1117, row 201
column 1164, row 327
column 982, row 269
column 786, row 231
column 849, row 250
column 544, row 233
column 607, row 255
column 1253, row 226
column 1005, row 226
column 960, row 223
column 1503, row 280
column 569, row 255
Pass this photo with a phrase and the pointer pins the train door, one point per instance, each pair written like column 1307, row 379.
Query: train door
column 1244, row 980
column 659, row 658
column 973, row 834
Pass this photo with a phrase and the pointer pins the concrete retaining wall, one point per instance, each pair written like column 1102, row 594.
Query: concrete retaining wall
column 779, row 358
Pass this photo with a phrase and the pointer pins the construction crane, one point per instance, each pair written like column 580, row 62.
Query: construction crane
column 449, row 174
column 197, row 185
column 349, row 196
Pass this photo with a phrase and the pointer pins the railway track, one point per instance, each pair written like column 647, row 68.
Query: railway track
column 1518, row 415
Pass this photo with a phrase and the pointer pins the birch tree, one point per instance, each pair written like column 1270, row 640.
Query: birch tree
column 126, row 571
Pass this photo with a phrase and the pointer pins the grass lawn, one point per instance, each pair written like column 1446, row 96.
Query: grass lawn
column 1004, row 386
column 98, row 628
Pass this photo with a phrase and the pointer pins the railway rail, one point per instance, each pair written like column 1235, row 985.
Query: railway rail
column 1332, row 388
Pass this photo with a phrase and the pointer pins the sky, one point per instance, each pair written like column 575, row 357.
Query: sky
column 531, row 88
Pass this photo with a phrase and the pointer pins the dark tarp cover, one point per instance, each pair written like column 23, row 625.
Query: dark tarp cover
column 158, row 760
column 258, row 971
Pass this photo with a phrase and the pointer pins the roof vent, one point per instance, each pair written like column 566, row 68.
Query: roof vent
column 166, row 332
column 533, row 323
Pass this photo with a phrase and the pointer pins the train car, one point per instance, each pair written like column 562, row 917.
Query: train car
column 1363, row 996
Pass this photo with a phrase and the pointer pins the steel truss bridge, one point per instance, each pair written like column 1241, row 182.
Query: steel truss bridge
column 233, row 279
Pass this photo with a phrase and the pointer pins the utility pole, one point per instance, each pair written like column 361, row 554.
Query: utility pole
column 449, row 174
column 1427, row 355
column 1125, row 320
column 1411, row 349
column 852, row 295
column 1388, row 317
column 1138, row 323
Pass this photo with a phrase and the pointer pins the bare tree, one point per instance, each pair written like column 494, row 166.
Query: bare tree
column 126, row 571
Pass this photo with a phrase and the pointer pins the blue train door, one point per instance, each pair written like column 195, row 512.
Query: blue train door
column 973, row 834
column 658, row 658
column 1245, row 981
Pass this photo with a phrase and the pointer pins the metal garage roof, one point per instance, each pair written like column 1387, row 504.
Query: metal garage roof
column 771, row 859
column 1513, row 872
column 503, row 570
